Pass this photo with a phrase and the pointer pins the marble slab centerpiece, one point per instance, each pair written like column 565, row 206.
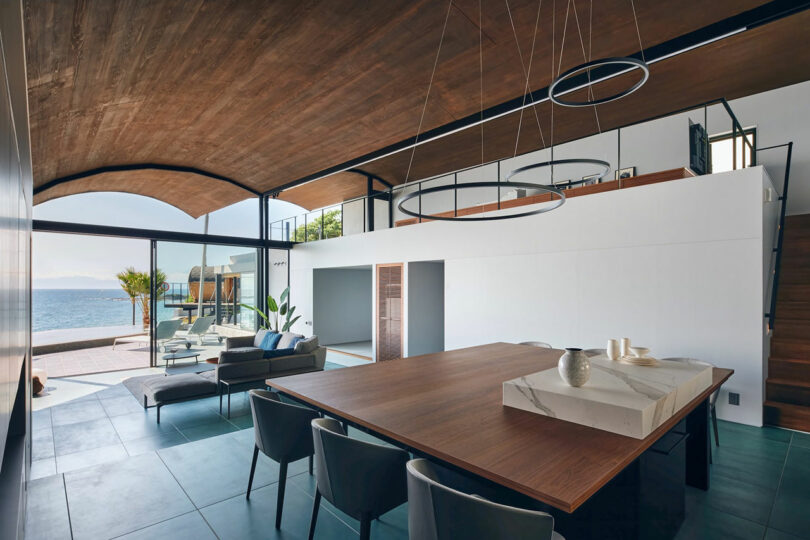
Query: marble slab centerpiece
column 621, row 398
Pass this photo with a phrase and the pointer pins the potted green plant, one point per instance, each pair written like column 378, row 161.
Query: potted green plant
column 274, row 311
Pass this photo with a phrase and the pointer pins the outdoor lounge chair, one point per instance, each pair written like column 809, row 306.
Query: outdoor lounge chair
column 200, row 329
column 164, row 333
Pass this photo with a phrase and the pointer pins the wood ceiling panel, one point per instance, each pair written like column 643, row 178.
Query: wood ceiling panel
column 748, row 63
column 268, row 92
column 194, row 194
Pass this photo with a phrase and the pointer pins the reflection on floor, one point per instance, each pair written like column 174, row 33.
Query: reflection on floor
column 357, row 348
column 94, row 419
column 760, row 489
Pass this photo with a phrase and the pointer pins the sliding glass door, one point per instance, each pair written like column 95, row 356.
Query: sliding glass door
column 199, row 298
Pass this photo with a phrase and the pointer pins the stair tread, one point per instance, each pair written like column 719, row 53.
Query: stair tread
column 788, row 382
column 787, row 359
column 787, row 406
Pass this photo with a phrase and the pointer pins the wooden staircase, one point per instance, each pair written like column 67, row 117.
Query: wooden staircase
column 787, row 389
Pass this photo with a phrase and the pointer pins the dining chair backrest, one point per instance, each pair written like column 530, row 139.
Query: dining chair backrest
column 167, row 329
column 439, row 512
column 282, row 429
column 360, row 478
column 541, row 344
column 595, row 352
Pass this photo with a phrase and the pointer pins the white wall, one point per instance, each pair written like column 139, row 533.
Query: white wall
column 425, row 307
column 676, row 266
column 342, row 301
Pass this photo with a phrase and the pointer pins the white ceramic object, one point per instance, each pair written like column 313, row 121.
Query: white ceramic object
column 639, row 351
column 574, row 367
column 612, row 349
column 625, row 346
column 626, row 399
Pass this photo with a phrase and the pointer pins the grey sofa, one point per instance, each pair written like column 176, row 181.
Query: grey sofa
column 242, row 363
column 241, row 366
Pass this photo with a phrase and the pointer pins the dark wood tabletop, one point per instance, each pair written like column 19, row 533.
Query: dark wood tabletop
column 449, row 405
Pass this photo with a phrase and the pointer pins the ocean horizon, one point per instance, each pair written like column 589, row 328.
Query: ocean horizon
column 57, row 309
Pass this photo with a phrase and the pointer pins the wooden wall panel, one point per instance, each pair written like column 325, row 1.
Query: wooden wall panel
column 389, row 312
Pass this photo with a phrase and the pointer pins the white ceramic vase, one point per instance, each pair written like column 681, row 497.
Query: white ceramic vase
column 574, row 367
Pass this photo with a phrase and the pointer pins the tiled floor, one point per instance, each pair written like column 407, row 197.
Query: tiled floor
column 95, row 419
column 125, row 356
column 105, row 469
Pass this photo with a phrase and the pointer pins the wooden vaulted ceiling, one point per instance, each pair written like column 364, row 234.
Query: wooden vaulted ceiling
column 265, row 93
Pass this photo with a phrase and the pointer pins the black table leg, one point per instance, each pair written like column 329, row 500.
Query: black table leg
column 698, row 447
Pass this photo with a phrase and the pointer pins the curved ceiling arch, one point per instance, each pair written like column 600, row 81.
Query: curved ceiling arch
column 193, row 191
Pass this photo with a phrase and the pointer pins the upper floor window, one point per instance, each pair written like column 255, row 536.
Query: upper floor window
column 728, row 152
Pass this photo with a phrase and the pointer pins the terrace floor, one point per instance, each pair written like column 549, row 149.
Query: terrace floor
column 105, row 469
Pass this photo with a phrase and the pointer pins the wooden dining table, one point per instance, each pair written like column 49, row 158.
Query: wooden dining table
column 448, row 406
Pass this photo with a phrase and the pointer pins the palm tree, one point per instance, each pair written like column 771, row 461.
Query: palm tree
column 129, row 282
column 144, row 289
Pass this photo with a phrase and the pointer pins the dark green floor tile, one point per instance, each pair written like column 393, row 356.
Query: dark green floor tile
column 736, row 497
column 191, row 525
column 42, row 444
column 118, row 498
column 801, row 439
column 219, row 426
column 237, row 518
column 707, row 524
column 752, row 466
column 149, row 444
column 791, row 510
column 242, row 422
column 774, row 534
column 732, row 429
column 47, row 511
column 140, row 424
column 89, row 458
column 84, row 436
column 214, row 469
column 116, row 406
column 75, row 412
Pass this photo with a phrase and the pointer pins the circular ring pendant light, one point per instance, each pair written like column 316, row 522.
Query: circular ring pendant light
column 632, row 63
column 579, row 161
column 469, row 185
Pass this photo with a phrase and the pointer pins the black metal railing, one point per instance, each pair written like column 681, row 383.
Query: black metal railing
column 780, row 233
column 314, row 226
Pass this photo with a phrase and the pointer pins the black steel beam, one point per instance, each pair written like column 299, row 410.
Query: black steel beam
column 153, row 234
column 766, row 13
column 139, row 167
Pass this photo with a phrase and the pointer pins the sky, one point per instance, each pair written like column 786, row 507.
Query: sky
column 66, row 261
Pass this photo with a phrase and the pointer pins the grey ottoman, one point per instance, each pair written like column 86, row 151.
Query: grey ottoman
column 176, row 388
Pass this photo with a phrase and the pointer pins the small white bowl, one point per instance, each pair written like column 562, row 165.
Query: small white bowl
column 639, row 352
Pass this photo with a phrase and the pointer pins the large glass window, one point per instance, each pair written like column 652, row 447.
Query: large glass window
column 724, row 149
column 206, row 289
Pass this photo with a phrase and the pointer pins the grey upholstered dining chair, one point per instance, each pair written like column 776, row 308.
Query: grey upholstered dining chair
column 362, row 479
column 541, row 344
column 439, row 512
column 283, row 434
column 712, row 399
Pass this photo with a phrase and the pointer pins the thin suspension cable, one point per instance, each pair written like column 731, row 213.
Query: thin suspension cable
column 638, row 32
column 481, row 71
column 430, row 85
column 585, row 57
column 523, row 68
column 553, row 41
column 528, row 77
column 562, row 41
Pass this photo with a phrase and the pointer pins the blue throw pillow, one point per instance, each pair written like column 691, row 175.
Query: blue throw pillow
column 277, row 353
column 294, row 341
column 270, row 341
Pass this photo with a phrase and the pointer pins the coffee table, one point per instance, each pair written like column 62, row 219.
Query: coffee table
column 175, row 355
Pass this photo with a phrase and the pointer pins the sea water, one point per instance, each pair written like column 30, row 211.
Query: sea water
column 54, row 309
